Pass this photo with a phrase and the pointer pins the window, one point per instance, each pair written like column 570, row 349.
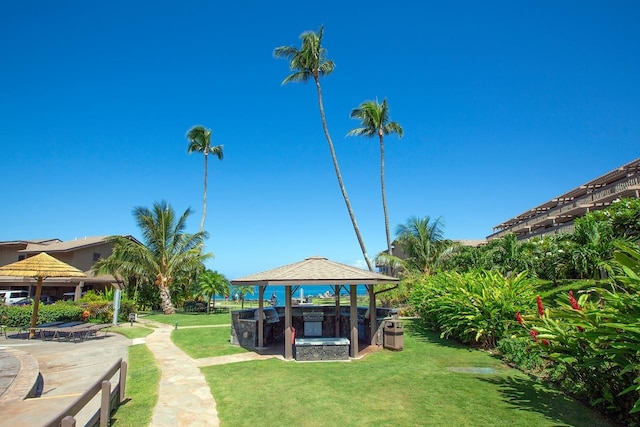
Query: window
column 96, row 256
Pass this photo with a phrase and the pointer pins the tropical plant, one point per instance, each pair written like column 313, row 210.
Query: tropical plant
column 476, row 308
column 508, row 255
column 374, row 118
column 624, row 216
column 243, row 291
column 200, row 140
column 422, row 242
column 464, row 259
column 549, row 256
column 167, row 253
column 310, row 62
column 593, row 246
column 596, row 337
column 211, row 284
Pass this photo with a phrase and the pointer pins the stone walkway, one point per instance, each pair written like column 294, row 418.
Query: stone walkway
column 184, row 395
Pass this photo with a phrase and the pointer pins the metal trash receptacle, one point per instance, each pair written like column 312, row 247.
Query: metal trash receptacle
column 393, row 335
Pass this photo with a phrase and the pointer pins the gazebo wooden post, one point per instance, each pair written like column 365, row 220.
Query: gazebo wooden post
column 373, row 318
column 288, row 345
column 36, row 304
column 336, row 298
column 260, row 316
column 353, row 314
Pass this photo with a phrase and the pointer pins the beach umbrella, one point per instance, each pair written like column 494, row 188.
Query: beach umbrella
column 39, row 267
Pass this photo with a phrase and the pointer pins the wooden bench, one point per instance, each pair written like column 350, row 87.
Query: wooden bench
column 315, row 349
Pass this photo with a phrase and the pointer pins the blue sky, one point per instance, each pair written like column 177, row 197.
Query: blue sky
column 504, row 106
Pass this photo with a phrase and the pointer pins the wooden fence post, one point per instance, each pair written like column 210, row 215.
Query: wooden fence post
column 123, row 380
column 105, row 410
column 68, row 421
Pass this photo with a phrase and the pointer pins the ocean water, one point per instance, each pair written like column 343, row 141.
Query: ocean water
column 302, row 291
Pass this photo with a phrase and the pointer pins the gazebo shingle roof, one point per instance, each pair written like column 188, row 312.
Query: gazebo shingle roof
column 315, row 270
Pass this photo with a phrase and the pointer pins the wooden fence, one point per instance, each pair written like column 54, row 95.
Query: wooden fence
column 110, row 399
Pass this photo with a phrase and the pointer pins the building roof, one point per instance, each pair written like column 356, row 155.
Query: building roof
column 608, row 178
column 59, row 246
column 26, row 242
column 53, row 246
column 315, row 270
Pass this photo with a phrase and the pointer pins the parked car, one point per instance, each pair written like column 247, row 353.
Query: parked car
column 10, row 296
column 23, row 301
column 47, row 299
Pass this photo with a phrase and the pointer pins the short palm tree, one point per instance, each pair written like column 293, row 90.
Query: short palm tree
column 423, row 244
column 200, row 140
column 310, row 62
column 211, row 284
column 374, row 119
column 167, row 251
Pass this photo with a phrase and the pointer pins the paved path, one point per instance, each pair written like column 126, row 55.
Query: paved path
column 184, row 396
column 70, row 368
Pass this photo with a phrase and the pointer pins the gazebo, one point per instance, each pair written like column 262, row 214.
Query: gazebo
column 317, row 271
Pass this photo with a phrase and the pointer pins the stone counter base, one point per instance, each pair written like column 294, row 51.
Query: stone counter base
column 316, row 349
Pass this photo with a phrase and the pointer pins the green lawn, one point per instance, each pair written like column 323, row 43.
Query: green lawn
column 191, row 319
column 411, row 387
column 205, row 342
column 132, row 332
column 141, row 393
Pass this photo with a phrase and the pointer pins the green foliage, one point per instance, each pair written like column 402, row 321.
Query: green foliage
column 14, row 316
column 212, row 283
column 522, row 352
column 169, row 255
column 507, row 255
column 476, row 308
column 624, row 216
column 596, row 338
column 422, row 242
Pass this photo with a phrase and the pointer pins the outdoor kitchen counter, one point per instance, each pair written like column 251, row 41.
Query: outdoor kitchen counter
column 315, row 349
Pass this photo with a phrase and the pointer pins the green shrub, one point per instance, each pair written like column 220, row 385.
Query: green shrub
column 13, row 316
column 101, row 311
column 523, row 353
column 596, row 338
column 476, row 308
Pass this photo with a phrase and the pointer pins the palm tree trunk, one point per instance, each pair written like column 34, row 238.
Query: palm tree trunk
column 384, row 196
column 165, row 298
column 204, row 195
column 339, row 175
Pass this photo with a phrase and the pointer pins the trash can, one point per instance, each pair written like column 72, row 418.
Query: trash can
column 393, row 335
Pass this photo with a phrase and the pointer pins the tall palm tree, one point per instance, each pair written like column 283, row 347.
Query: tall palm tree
column 166, row 254
column 310, row 62
column 200, row 140
column 374, row 119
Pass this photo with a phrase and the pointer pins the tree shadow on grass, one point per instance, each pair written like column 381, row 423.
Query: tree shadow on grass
column 526, row 395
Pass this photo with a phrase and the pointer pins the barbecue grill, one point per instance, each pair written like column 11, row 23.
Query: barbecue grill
column 269, row 314
column 313, row 323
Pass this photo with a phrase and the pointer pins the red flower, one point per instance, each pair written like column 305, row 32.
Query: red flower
column 540, row 306
column 519, row 318
column 573, row 301
column 580, row 329
column 534, row 334
column 545, row 342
